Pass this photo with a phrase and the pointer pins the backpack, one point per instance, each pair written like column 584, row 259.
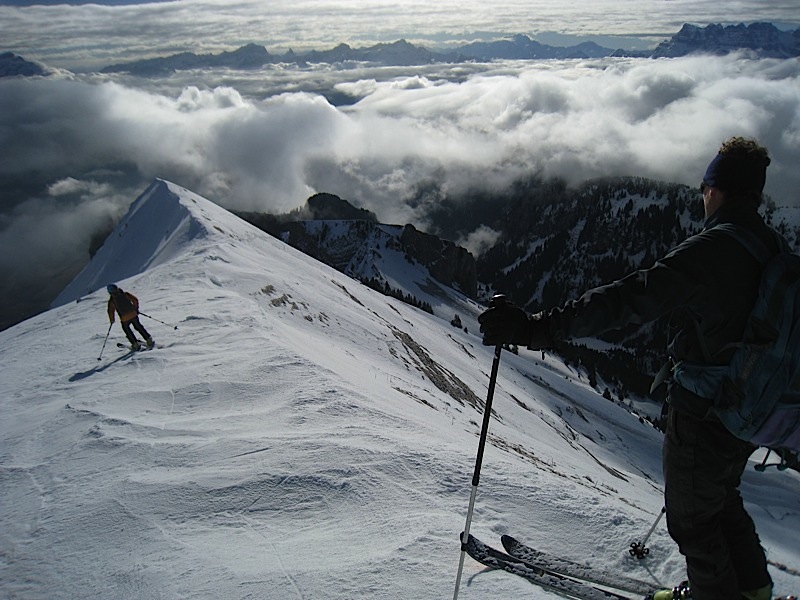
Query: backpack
column 757, row 394
column 123, row 304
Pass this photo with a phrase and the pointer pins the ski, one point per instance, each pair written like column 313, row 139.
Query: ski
column 143, row 347
column 550, row 580
column 572, row 569
column 127, row 348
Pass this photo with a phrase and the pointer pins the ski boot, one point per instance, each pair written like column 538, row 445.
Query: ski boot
column 136, row 346
column 763, row 593
column 679, row 592
column 150, row 342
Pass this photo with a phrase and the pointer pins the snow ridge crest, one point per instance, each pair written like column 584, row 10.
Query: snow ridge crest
column 159, row 226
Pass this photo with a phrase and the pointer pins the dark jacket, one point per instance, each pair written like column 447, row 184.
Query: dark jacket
column 708, row 283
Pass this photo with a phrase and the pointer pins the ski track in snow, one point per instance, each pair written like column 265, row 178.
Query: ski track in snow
column 301, row 436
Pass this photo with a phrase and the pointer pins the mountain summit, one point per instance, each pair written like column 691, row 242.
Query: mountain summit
column 763, row 39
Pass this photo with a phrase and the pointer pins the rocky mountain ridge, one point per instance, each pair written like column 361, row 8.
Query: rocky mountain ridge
column 762, row 38
column 352, row 241
column 12, row 65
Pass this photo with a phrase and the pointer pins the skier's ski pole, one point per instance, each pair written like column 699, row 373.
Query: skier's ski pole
column 476, row 476
column 104, row 341
column 638, row 549
column 782, row 465
column 154, row 319
column 763, row 466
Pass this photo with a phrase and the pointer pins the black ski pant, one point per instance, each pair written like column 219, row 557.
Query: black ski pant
column 703, row 466
column 126, row 327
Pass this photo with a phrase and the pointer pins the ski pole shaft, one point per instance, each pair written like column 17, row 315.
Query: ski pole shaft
column 653, row 526
column 476, row 475
column 487, row 413
column 154, row 319
column 104, row 341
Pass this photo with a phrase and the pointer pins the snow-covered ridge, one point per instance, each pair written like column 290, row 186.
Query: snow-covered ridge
column 294, row 411
column 157, row 226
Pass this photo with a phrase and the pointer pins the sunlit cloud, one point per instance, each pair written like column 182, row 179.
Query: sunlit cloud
column 79, row 149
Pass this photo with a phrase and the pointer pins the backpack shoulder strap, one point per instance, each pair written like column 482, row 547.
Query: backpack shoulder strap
column 749, row 240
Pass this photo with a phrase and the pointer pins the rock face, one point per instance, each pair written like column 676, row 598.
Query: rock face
column 12, row 65
column 446, row 262
column 351, row 240
column 327, row 207
column 762, row 38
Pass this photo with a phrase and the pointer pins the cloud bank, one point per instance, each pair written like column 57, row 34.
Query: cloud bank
column 78, row 150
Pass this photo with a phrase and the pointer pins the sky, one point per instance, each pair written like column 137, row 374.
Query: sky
column 296, row 435
column 78, row 146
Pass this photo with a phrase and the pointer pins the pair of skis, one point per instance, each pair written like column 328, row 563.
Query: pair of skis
column 142, row 347
column 564, row 577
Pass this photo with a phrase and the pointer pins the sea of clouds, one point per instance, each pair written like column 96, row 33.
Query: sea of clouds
column 79, row 147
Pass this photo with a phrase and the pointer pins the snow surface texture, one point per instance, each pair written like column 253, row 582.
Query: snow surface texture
column 301, row 436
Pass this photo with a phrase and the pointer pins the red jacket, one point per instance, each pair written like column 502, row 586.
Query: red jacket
column 126, row 313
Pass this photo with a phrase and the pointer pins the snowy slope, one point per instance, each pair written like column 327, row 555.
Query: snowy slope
column 301, row 436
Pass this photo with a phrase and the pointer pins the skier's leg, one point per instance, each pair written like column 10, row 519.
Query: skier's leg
column 126, row 327
column 747, row 555
column 703, row 464
column 137, row 324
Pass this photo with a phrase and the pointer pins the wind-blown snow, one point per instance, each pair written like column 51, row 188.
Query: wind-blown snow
column 302, row 436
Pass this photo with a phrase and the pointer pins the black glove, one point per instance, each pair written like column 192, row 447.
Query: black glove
column 506, row 323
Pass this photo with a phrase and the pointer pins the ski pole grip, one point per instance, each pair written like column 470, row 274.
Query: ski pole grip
column 497, row 301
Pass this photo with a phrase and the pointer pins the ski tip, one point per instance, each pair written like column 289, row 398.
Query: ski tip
column 508, row 541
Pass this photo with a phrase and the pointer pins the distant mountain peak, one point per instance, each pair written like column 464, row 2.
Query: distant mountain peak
column 324, row 207
column 12, row 65
column 762, row 38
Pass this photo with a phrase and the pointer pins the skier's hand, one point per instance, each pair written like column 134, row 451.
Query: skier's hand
column 509, row 324
column 505, row 323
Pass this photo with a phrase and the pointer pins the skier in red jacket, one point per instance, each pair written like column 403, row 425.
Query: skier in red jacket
column 126, row 305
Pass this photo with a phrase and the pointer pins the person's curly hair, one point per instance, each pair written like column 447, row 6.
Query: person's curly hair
column 746, row 148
